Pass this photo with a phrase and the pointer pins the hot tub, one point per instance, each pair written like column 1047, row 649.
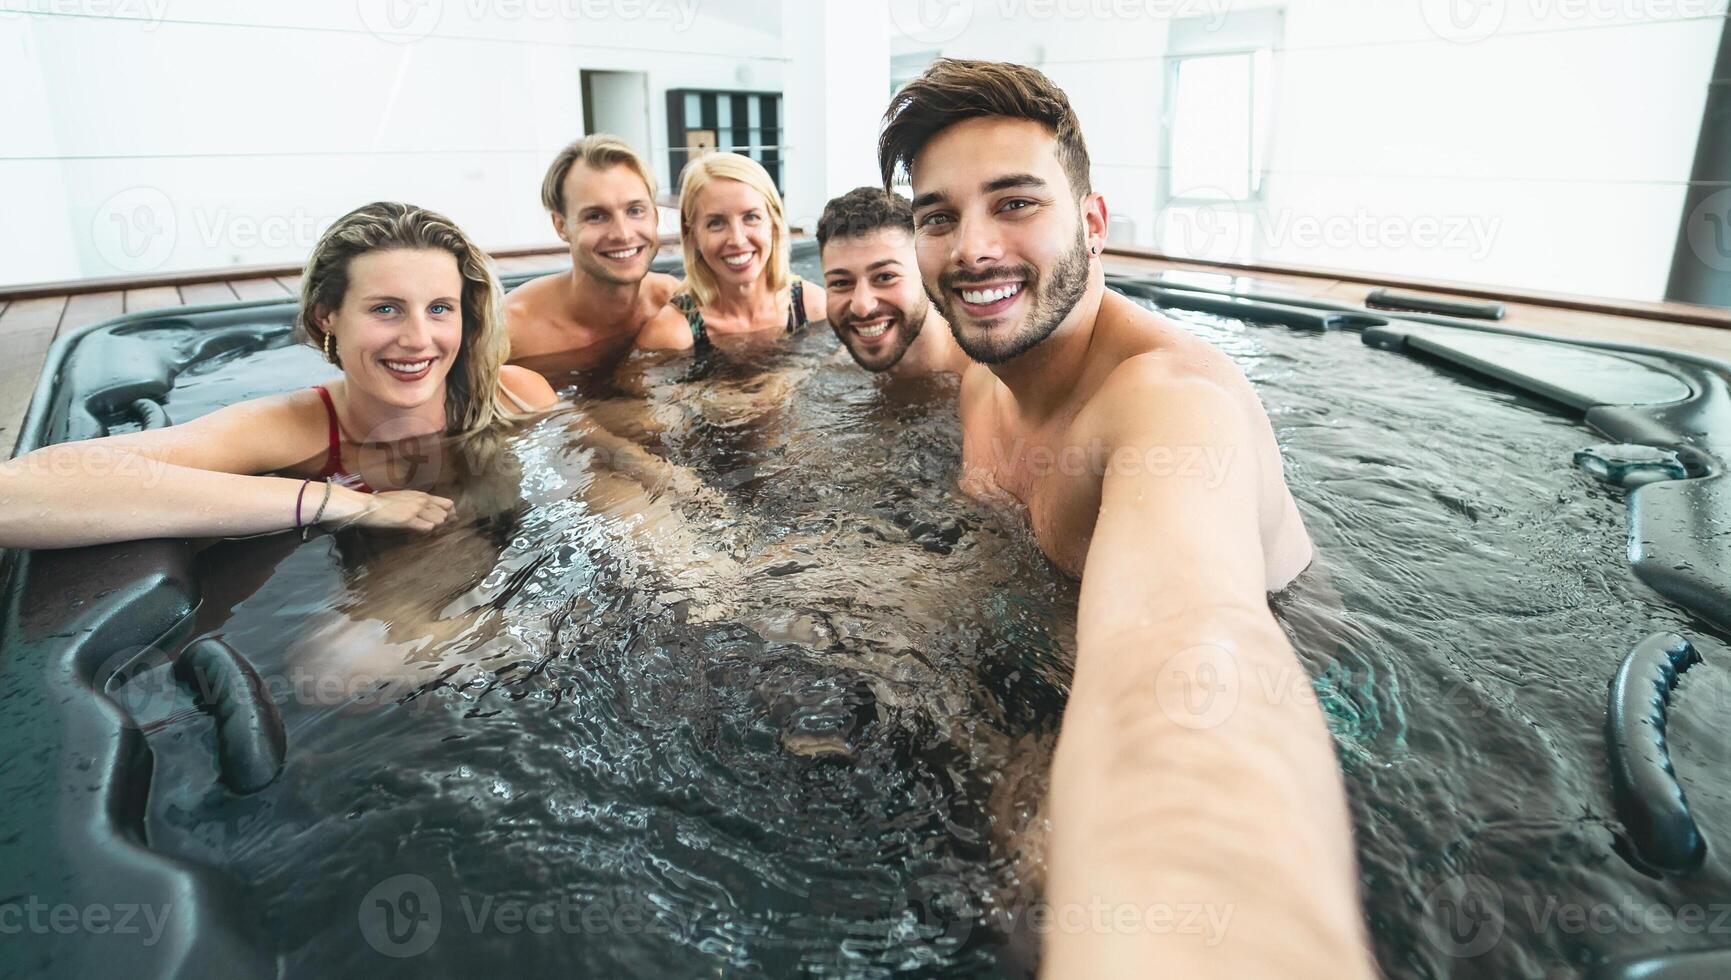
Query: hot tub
column 788, row 706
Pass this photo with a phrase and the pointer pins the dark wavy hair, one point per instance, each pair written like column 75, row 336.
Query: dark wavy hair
column 861, row 211
column 953, row 89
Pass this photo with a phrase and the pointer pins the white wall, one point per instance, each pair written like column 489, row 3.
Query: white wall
column 1554, row 151
column 1111, row 66
column 838, row 82
column 1542, row 144
column 215, row 132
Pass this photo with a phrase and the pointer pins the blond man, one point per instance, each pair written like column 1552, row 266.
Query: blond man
column 601, row 199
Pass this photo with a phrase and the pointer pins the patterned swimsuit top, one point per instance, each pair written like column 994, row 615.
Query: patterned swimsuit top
column 686, row 303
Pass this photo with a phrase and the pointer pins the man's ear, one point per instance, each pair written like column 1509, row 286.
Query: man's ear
column 1095, row 222
column 559, row 226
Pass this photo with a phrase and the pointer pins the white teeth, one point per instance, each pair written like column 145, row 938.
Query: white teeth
column 979, row 296
column 872, row 332
column 628, row 253
column 739, row 261
column 407, row 367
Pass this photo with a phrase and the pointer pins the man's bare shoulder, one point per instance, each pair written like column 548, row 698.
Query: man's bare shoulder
column 1130, row 329
column 978, row 381
column 660, row 287
column 1163, row 391
column 666, row 330
column 1161, row 348
column 533, row 302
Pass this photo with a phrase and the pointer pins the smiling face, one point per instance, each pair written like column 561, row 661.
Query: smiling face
column 876, row 303
column 733, row 230
column 400, row 325
column 610, row 223
column 1000, row 237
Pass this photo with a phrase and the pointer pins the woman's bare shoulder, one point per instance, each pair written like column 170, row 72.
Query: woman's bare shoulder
column 816, row 305
column 528, row 386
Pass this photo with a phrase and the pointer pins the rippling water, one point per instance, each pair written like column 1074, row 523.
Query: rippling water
column 787, row 707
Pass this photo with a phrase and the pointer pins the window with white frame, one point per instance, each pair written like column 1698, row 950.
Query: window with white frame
column 1217, row 124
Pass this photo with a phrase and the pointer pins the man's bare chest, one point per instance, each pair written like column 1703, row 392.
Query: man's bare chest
column 1050, row 477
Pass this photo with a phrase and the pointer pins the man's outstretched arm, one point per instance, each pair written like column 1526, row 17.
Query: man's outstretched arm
column 1199, row 818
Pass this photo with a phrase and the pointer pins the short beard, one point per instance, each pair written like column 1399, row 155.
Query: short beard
column 1053, row 301
column 908, row 331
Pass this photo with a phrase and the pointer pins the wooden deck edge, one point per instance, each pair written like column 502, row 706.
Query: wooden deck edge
column 76, row 287
column 1689, row 313
column 1706, row 316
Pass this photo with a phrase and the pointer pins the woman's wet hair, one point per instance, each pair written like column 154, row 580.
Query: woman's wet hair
column 472, row 400
column 699, row 278
column 954, row 89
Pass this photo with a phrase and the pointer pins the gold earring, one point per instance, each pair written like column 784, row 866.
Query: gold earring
column 330, row 354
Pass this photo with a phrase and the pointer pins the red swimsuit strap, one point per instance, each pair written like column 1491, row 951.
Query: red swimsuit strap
column 334, row 462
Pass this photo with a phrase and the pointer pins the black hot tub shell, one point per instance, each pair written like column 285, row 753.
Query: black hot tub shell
column 75, row 771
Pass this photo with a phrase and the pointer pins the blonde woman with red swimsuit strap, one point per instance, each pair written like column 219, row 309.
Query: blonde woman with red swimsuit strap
column 408, row 307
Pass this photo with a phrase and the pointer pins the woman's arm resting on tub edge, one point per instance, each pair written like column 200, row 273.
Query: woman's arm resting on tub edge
column 197, row 479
